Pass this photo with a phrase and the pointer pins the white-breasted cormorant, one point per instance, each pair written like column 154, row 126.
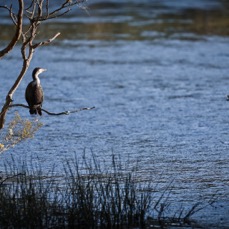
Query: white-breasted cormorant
column 34, row 94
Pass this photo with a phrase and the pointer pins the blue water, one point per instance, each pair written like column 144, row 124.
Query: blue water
column 159, row 101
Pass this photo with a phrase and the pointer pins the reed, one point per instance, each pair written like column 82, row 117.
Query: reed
column 88, row 195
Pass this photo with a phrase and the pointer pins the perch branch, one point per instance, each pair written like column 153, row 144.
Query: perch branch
column 52, row 113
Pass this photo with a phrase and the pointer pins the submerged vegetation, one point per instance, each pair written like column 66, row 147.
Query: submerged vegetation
column 87, row 195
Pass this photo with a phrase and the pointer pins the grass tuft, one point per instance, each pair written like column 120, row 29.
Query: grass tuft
column 89, row 195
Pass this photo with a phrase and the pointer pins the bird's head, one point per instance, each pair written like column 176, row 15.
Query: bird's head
column 38, row 71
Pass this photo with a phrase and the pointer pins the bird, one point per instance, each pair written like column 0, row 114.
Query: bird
column 34, row 93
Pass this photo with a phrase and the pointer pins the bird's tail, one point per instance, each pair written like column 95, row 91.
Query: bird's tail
column 39, row 111
column 32, row 111
column 35, row 110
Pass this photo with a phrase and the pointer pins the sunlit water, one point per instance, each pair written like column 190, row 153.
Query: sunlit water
column 160, row 101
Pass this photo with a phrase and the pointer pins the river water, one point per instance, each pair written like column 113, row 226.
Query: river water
column 157, row 73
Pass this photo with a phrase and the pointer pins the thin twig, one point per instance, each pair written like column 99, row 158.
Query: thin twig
column 46, row 42
column 30, row 6
column 52, row 113
column 47, row 7
column 56, row 13
column 12, row 15
column 68, row 112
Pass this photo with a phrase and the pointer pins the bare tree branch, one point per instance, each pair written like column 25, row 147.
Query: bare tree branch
column 46, row 42
column 58, row 12
column 30, row 6
column 18, row 32
column 52, row 113
column 64, row 5
column 47, row 7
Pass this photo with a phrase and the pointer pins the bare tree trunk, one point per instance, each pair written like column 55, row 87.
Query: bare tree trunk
column 9, row 97
column 36, row 12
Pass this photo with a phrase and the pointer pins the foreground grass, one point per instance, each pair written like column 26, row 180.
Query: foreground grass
column 87, row 196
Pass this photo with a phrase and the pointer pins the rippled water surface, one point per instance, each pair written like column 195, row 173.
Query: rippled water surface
column 157, row 73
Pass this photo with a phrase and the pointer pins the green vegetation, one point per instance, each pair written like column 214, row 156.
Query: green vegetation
column 87, row 196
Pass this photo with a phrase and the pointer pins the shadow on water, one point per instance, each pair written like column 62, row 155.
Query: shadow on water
column 157, row 73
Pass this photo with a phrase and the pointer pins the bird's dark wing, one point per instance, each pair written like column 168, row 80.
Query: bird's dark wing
column 38, row 95
column 28, row 93
column 34, row 94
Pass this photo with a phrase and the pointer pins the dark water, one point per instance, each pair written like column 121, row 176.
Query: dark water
column 157, row 73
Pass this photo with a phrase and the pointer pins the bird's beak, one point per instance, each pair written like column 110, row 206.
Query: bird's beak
column 44, row 70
